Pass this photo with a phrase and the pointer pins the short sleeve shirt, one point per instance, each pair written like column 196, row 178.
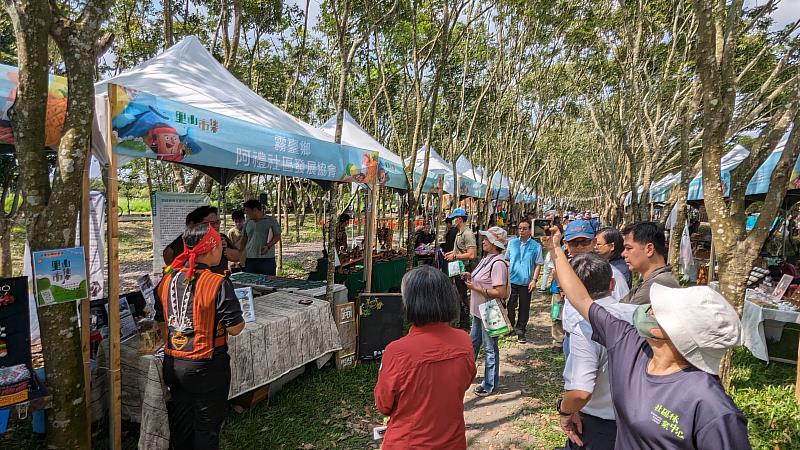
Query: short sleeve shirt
column 683, row 410
column 640, row 295
column 571, row 316
column 491, row 271
column 257, row 232
column 465, row 239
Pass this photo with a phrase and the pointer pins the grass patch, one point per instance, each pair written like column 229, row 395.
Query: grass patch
column 545, row 384
column 323, row 409
column 765, row 394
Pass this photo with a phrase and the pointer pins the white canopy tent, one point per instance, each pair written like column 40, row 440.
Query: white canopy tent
column 354, row 135
column 188, row 74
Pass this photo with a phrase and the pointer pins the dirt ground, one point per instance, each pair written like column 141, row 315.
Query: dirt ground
column 520, row 415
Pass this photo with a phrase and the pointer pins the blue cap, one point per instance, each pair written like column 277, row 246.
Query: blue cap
column 579, row 229
column 458, row 212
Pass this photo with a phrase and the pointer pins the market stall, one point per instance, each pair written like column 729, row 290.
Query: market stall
column 184, row 107
column 770, row 328
column 283, row 338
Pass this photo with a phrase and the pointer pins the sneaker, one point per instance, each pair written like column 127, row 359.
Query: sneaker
column 521, row 339
column 481, row 392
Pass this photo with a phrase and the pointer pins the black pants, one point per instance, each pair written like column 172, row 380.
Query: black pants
column 198, row 400
column 264, row 266
column 522, row 298
column 598, row 434
column 464, row 317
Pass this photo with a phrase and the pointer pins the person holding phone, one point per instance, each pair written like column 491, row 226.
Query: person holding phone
column 488, row 281
column 663, row 368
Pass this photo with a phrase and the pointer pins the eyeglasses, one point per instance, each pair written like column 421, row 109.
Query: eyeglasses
column 603, row 244
column 580, row 242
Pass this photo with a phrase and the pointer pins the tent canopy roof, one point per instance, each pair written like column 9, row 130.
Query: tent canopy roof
column 187, row 73
column 354, row 135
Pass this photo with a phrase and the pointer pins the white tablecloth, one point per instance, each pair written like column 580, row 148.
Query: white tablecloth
column 753, row 334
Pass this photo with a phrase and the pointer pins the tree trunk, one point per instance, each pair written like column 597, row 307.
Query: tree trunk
column 5, row 247
column 166, row 5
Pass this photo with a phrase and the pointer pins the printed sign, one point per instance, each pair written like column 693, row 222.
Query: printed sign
column 169, row 220
column 127, row 325
column 782, row 286
column 60, row 276
column 147, row 287
column 148, row 126
column 245, row 296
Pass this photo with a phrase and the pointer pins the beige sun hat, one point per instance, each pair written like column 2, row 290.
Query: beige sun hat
column 699, row 321
column 496, row 236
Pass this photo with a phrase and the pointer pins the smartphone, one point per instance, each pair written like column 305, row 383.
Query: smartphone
column 466, row 277
column 541, row 227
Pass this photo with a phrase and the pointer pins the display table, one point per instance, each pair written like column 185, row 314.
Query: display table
column 761, row 324
column 265, row 284
column 386, row 276
column 285, row 336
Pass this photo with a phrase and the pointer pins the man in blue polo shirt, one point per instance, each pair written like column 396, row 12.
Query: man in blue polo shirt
column 524, row 256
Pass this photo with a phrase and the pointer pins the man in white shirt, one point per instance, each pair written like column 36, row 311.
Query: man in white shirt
column 579, row 238
column 586, row 411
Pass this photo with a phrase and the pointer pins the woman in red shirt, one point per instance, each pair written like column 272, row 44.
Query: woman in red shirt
column 424, row 375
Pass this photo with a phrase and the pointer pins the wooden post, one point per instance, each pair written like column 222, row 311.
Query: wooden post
column 115, row 398
column 84, row 306
column 369, row 235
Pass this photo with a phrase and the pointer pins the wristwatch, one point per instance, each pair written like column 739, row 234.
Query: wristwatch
column 558, row 408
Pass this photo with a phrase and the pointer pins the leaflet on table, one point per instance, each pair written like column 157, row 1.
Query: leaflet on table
column 60, row 275
column 245, row 296
column 144, row 125
column 127, row 325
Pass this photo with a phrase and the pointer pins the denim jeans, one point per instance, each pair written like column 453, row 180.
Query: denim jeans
column 491, row 372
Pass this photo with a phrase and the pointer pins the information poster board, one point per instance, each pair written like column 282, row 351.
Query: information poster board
column 96, row 244
column 60, row 276
column 380, row 321
column 169, row 220
column 127, row 325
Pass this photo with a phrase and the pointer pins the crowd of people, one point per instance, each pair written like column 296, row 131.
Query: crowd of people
column 641, row 353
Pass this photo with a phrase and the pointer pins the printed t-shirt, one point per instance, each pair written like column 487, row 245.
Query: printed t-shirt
column 490, row 272
column 684, row 410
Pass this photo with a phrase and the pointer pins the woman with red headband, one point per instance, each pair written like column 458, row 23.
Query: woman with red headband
column 200, row 309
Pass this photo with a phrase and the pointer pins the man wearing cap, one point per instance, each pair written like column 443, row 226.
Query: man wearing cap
column 579, row 239
column 645, row 253
column 524, row 256
column 663, row 367
column 464, row 249
column 587, row 395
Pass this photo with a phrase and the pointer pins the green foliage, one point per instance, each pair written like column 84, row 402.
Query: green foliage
column 765, row 394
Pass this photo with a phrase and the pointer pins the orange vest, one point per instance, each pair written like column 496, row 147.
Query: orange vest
column 199, row 343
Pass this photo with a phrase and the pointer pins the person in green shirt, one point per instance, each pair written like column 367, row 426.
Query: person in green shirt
column 261, row 233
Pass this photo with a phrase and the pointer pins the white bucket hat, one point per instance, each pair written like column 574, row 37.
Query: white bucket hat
column 496, row 236
column 699, row 321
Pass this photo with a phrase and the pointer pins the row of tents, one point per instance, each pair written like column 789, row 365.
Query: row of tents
column 183, row 106
column 757, row 187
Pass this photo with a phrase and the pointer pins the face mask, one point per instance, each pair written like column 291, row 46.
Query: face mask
column 643, row 322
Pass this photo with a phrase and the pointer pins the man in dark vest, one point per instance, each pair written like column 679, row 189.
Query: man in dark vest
column 200, row 309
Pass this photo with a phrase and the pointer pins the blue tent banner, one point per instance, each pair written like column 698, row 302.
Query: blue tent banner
column 146, row 126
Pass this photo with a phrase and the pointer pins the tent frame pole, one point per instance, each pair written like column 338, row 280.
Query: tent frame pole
column 115, row 399
column 84, row 303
